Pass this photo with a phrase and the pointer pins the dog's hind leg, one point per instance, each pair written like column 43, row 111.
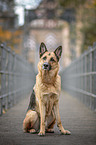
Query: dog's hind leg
column 31, row 122
column 51, row 126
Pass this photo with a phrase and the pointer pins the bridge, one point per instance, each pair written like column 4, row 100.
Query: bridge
column 67, row 23
column 77, row 100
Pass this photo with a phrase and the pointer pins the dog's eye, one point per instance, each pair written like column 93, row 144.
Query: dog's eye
column 44, row 58
column 52, row 59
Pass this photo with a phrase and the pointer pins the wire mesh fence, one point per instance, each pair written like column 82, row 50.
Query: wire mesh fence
column 79, row 78
column 16, row 78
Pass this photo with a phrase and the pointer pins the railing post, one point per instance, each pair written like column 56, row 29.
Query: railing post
column 8, row 77
column 90, row 79
column 85, row 76
column 13, row 76
column 3, row 78
column 1, row 99
column 94, row 78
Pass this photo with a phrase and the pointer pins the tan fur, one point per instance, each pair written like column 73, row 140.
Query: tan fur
column 29, row 121
column 47, row 91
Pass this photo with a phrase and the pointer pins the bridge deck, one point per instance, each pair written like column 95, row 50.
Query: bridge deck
column 75, row 116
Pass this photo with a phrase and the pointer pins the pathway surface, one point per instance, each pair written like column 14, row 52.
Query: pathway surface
column 75, row 116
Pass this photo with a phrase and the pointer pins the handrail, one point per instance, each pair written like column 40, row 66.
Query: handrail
column 16, row 77
column 79, row 78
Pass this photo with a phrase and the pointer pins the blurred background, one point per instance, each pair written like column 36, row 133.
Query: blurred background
column 24, row 24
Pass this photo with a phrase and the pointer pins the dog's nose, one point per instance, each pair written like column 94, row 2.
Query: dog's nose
column 46, row 66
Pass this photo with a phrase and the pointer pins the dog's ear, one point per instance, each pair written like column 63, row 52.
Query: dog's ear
column 43, row 49
column 58, row 52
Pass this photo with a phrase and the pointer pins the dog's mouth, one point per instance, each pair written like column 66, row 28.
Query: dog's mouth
column 46, row 66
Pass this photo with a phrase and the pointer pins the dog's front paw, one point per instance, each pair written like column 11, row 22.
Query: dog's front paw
column 66, row 132
column 41, row 133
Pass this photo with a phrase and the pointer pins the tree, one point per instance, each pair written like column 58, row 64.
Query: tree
column 86, row 12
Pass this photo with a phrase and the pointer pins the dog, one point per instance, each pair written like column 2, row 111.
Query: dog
column 43, row 109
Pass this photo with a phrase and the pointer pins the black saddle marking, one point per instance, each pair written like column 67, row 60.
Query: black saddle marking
column 32, row 102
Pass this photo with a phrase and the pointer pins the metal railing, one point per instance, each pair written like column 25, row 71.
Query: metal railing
column 79, row 78
column 16, row 78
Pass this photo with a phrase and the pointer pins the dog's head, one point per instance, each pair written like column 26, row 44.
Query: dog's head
column 49, row 60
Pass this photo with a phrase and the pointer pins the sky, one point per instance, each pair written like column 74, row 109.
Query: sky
column 21, row 4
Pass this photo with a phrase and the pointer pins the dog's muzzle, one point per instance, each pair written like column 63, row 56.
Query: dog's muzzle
column 46, row 66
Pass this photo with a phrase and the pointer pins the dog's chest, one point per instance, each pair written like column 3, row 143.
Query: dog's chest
column 49, row 99
column 48, row 93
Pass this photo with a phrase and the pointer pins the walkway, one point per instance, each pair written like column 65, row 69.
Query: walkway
column 75, row 116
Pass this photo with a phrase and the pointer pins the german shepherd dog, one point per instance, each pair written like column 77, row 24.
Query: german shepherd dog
column 43, row 110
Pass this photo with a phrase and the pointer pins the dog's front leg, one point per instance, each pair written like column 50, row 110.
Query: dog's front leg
column 59, row 124
column 42, row 118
